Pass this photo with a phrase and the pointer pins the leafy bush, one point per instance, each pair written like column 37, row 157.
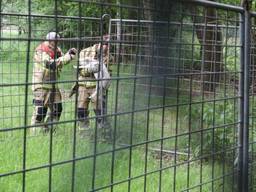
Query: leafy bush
column 217, row 128
column 231, row 57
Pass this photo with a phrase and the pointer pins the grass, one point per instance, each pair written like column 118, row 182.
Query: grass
column 13, row 60
column 38, row 155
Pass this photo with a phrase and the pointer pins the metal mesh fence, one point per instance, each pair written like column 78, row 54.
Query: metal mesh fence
column 178, row 114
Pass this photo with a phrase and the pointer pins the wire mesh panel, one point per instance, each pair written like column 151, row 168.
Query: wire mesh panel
column 197, row 71
column 123, row 96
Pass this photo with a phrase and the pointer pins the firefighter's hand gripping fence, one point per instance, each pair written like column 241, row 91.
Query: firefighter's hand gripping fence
column 135, row 95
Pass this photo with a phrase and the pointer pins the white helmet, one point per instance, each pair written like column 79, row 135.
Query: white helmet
column 52, row 36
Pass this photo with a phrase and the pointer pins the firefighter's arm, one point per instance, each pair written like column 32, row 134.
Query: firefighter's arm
column 66, row 58
column 43, row 58
column 88, row 66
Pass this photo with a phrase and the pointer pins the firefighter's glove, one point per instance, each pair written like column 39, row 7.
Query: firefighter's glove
column 51, row 65
column 72, row 52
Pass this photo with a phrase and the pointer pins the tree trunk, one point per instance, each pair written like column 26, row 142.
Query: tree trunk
column 148, row 51
column 210, row 38
column 158, row 33
column 159, row 42
column 148, row 5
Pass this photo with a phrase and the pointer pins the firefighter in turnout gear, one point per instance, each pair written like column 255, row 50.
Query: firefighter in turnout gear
column 48, row 62
column 91, row 68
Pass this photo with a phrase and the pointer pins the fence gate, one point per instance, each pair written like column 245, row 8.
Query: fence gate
column 178, row 115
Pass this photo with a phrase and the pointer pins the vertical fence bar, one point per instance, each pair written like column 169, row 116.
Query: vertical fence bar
column 202, row 98
column 247, row 26
column 119, row 43
column 53, row 78
column 135, row 82
column 26, row 98
column 76, row 100
column 236, row 102
column 225, row 55
column 241, row 109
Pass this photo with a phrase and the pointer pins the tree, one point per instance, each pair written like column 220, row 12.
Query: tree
column 208, row 33
column 14, row 6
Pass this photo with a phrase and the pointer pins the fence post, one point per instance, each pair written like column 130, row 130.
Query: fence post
column 245, row 27
column 241, row 103
column 243, row 131
column 26, row 99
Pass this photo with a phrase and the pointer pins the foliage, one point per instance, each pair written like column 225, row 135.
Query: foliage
column 215, row 126
column 66, row 27
column 232, row 59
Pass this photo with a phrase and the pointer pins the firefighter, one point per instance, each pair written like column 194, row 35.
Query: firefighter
column 48, row 62
column 89, row 65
